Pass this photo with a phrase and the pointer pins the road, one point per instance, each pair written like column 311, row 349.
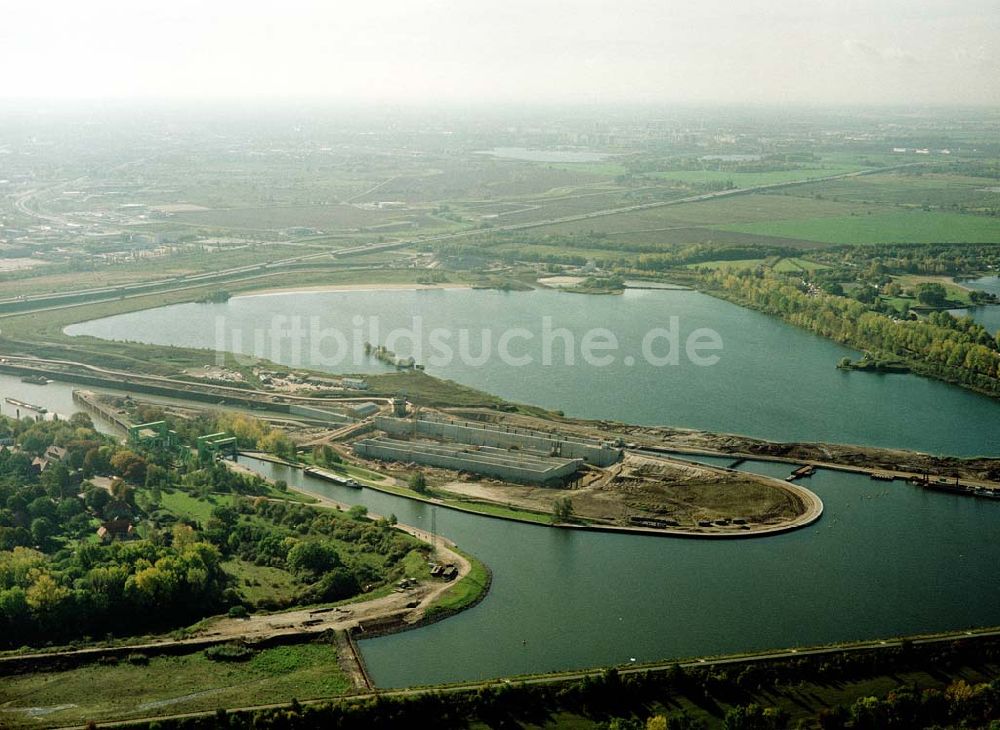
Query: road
column 408, row 607
column 126, row 378
column 184, row 282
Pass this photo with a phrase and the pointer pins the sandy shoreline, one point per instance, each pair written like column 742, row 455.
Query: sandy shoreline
column 318, row 289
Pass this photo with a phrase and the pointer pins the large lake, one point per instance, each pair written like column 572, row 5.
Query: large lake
column 772, row 380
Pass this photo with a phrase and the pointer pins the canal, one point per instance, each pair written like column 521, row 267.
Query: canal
column 885, row 559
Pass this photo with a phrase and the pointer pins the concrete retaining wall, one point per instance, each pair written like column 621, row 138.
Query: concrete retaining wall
column 467, row 432
column 319, row 414
column 521, row 468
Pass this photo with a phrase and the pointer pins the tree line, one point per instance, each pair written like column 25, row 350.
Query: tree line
column 939, row 345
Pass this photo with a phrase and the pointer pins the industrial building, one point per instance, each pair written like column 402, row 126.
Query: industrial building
column 155, row 435
column 363, row 410
column 217, row 444
column 510, row 466
column 488, row 434
column 321, row 415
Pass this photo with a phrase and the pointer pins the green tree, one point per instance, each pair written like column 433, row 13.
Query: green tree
column 562, row 510
column 932, row 294
column 42, row 530
column 418, row 482
column 312, row 558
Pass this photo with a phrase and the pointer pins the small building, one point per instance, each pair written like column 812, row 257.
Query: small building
column 39, row 464
column 354, row 383
column 120, row 529
column 156, row 434
column 55, row 453
column 214, row 444
column 363, row 410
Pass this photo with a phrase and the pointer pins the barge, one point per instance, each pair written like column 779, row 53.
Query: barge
column 27, row 406
column 328, row 476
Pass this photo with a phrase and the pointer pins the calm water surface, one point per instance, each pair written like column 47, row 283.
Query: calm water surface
column 772, row 380
column 886, row 559
column 988, row 315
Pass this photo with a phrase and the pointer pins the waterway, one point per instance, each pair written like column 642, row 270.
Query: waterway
column 885, row 559
column 987, row 315
column 534, row 155
column 771, row 380
column 56, row 398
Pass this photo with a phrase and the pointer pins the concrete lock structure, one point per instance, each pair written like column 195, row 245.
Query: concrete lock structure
column 319, row 414
column 484, row 434
column 510, row 466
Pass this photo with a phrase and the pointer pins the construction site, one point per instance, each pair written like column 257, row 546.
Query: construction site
column 520, row 456
column 609, row 485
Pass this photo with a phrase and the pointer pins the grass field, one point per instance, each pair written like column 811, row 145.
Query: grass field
column 796, row 264
column 429, row 390
column 955, row 292
column 256, row 583
column 464, row 592
column 325, row 217
column 170, row 684
column 187, row 506
column 938, row 190
column 790, row 265
column 728, row 265
column 730, row 211
column 881, row 227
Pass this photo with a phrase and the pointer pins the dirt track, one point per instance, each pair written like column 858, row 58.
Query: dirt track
column 391, row 609
column 980, row 471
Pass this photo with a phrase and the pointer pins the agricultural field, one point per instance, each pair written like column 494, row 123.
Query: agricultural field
column 797, row 264
column 581, row 202
column 880, row 227
column 739, row 209
column 752, row 179
column 467, row 178
column 729, row 265
column 912, row 189
column 323, row 217
column 712, row 221
column 788, row 265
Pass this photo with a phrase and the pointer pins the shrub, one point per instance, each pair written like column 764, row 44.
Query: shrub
column 229, row 653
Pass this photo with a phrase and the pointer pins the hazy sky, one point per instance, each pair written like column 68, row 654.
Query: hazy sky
column 801, row 51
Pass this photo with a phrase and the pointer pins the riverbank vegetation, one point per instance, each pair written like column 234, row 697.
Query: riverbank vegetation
column 100, row 539
column 939, row 345
column 943, row 685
